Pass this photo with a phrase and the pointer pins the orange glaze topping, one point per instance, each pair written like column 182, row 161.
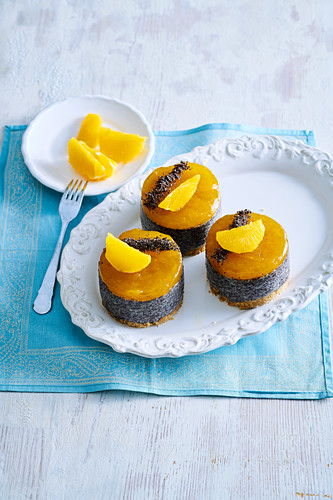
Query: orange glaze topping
column 268, row 256
column 155, row 280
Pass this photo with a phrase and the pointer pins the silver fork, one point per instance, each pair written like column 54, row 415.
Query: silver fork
column 69, row 207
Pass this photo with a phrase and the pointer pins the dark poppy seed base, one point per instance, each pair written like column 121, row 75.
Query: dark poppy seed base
column 189, row 240
column 142, row 313
column 241, row 291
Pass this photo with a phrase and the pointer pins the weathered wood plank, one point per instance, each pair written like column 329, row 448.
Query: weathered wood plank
column 183, row 64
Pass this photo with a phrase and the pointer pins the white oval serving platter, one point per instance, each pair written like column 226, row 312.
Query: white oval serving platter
column 289, row 181
column 44, row 145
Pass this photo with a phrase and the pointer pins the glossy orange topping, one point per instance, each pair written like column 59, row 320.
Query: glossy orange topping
column 163, row 272
column 198, row 210
column 269, row 254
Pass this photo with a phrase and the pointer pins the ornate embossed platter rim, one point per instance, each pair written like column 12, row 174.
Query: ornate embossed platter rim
column 80, row 294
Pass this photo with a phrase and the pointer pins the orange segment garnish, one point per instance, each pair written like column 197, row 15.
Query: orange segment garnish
column 123, row 257
column 242, row 239
column 89, row 131
column 119, row 146
column 178, row 198
column 84, row 161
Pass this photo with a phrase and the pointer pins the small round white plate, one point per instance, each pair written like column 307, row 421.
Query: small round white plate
column 44, row 145
column 289, row 181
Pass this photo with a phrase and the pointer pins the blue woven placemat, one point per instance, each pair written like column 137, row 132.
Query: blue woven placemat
column 48, row 353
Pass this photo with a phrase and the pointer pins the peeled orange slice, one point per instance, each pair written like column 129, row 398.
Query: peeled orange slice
column 106, row 162
column 178, row 198
column 123, row 257
column 89, row 131
column 119, row 146
column 84, row 161
column 242, row 239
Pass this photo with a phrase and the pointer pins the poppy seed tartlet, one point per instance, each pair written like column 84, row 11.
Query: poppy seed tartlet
column 191, row 212
column 151, row 295
column 249, row 278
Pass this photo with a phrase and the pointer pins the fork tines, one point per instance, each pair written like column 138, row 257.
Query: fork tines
column 74, row 189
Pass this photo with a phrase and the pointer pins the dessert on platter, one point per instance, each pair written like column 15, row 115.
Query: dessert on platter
column 141, row 277
column 181, row 200
column 247, row 259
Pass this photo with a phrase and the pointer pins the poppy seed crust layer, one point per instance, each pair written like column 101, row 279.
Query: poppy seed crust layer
column 187, row 239
column 142, row 313
column 235, row 290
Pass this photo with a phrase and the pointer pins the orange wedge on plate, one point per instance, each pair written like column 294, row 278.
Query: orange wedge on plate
column 89, row 131
column 84, row 161
column 105, row 161
column 119, row 146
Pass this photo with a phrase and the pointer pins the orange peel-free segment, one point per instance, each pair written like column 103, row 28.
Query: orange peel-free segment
column 119, row 146
column 84, row 161
column 89, row 130
column 105, row 161
column 242, row 239
column 123, row 257
column 178, row 198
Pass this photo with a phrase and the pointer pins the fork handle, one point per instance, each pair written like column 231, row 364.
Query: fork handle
column 43, row 301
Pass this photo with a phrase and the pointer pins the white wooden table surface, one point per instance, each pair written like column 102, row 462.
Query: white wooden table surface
column 183, row 63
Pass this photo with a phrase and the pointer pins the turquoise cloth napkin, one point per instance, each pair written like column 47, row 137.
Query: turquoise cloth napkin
column 48, row 353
